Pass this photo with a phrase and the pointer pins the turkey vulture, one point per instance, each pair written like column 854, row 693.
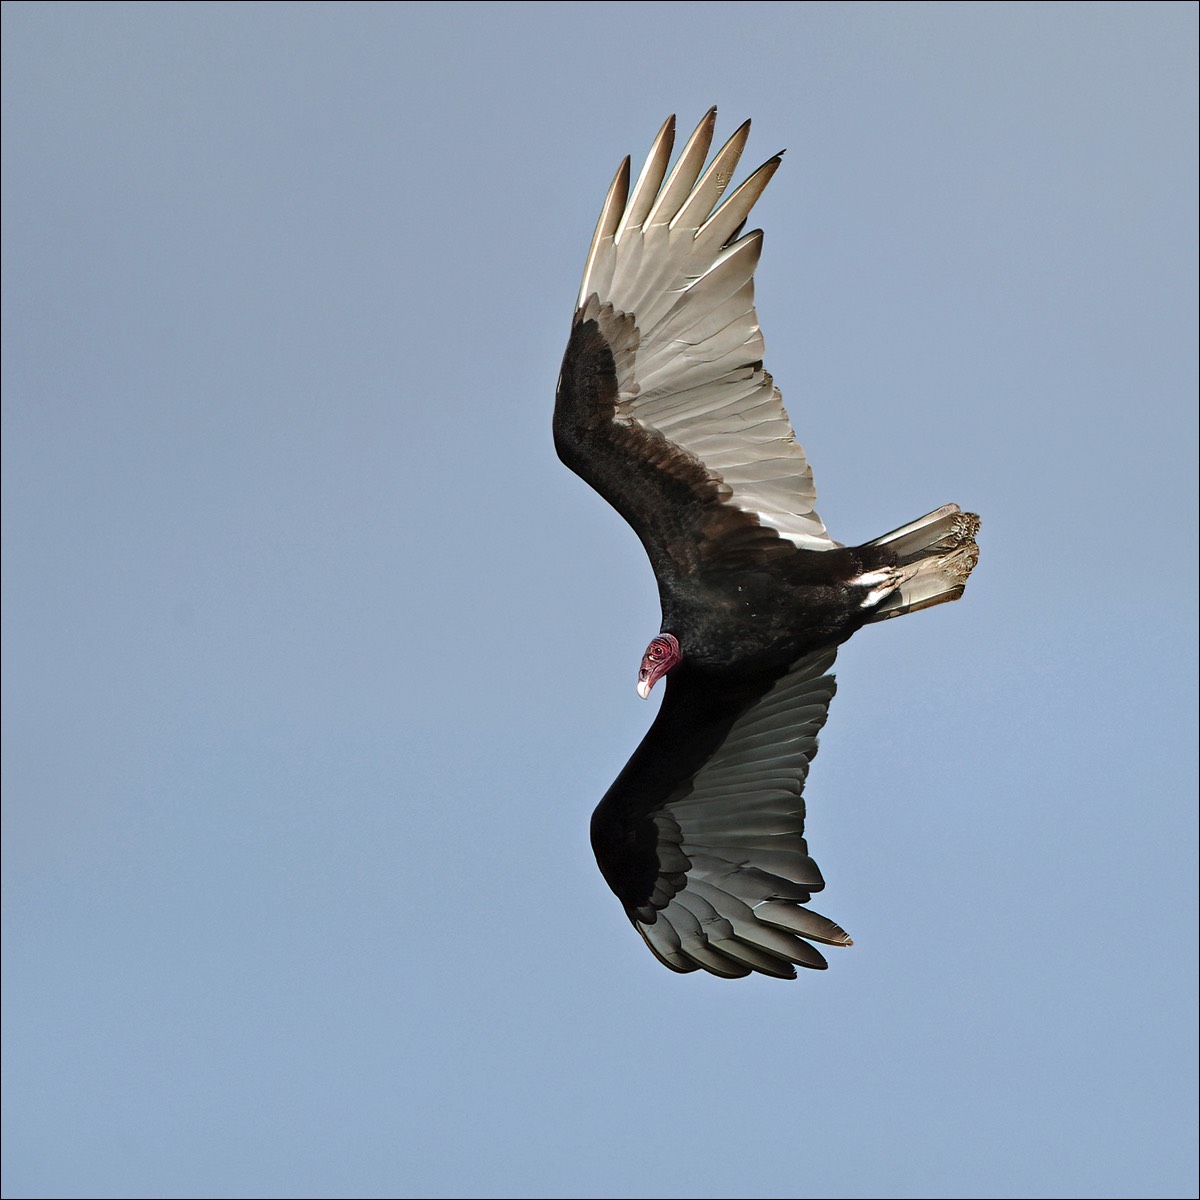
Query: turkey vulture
column 664, row 408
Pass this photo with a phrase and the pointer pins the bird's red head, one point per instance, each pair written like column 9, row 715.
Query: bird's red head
column 661, row 655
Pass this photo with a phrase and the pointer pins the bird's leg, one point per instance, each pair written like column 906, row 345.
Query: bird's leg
column 880, row 583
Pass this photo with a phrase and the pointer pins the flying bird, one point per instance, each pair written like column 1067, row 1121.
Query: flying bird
column 665, row 409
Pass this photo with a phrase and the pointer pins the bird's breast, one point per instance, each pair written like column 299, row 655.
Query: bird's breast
column 758, row 618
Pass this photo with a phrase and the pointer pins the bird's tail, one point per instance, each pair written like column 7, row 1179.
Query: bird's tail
column 934, row 555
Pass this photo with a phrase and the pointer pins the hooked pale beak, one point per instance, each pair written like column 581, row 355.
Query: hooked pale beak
column 661, row 655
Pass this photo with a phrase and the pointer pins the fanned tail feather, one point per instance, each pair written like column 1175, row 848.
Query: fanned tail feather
column 936, row 553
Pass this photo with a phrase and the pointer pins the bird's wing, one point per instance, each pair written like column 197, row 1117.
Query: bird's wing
column 702, row 835
column 663, row 402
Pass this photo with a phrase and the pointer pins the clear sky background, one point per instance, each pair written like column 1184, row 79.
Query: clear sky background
column 316, row 659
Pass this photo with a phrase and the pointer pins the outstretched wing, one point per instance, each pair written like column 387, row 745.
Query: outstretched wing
column 701, row 837
column 663, row 404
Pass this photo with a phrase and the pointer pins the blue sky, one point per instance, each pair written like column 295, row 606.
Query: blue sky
column 316, row 660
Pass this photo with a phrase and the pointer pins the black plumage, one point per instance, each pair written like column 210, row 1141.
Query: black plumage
column 664, row 408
